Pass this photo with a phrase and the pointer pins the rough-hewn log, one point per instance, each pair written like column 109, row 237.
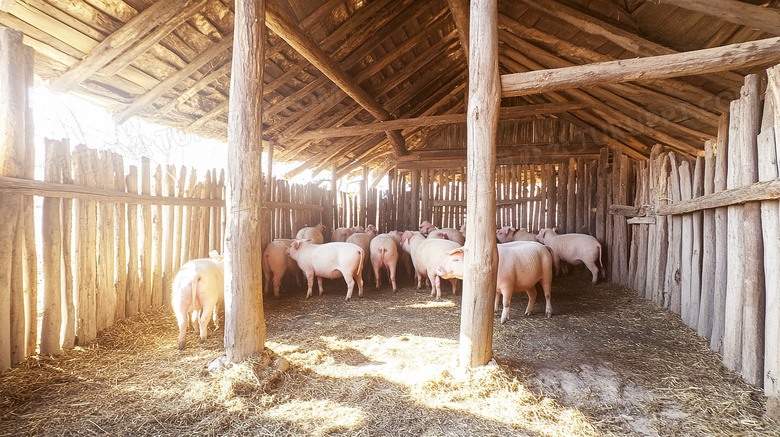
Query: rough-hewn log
column 244, row 317
column 721, row 240
column 298, row 40
column 86, row 238
column 712, row 60
column 27, row 217
column 174, row 79
column 118, row 42
column 12, row 110
column 742, row 13
column 704, row 326
column 68, row 332
column 52, row 259
column 506, row 113
column 481, row 257
column 460, row 15
column 765, row 190
column 47, row 189
column 132, row 282
column 120, row 230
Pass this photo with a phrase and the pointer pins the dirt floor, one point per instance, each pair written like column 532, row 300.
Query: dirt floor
column 606, row 363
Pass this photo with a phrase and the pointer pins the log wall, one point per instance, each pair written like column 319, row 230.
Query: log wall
column 708, row 248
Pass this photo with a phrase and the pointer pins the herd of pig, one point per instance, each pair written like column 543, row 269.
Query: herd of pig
column 524, row 259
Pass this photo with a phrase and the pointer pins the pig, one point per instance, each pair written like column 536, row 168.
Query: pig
column 276, row 264
column 384, row 253
column 409, row 242
column 508, row 233
column 403, row 257
column 521, row 265
column 329, row 260
column 574, row 249
column 363, row 241
column 198, row 288
column 312, row 233
column 450, row 234
column 371, row 230
column 426, row 227
column 463, row 230
column 358, row 229
column 428, row 255
column 341, row 234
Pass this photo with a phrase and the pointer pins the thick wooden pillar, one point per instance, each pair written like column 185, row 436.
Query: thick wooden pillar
column 481, row 255
column 244, row 318
column 12, row 157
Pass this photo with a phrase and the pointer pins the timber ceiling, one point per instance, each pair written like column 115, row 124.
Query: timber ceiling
column 169, row 62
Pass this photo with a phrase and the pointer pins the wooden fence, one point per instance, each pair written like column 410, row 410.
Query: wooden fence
column 107, row 251
column 706, row 243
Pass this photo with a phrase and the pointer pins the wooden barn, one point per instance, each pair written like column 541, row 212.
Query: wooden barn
column 651, row 125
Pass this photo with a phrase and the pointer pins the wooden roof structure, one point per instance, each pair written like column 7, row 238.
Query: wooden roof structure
column 383, row 82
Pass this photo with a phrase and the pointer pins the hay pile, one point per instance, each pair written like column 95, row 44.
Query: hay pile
column 606, row 363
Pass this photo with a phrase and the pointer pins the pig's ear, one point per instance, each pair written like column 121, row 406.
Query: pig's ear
column 295, row 244
column 214, row 255
column 555, row 229
column 308, row 240
column 445, row 237
column 454, row 251
column 542, row 233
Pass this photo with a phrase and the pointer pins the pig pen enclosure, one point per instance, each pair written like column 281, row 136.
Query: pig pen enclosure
column 650, row 125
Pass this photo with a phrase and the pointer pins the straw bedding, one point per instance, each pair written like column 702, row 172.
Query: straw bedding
column 606, row 363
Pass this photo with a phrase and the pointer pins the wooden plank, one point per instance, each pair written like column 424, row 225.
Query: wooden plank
column 571, row 199
column 481, row 257
column 12, row 152
column 169, row 214
column 732, row 334
column 721, row 237
column 770, row 220
column 121, row 232
column 744, row 14
column 616, row 256
column 106, row 302
column 145, row 293
column 186, row 228
column 662, row 230
column 651, row 270
column 298, row 40
column 46, row 189
column 133, row 280
column 707, row 296
column 118, row 42
column 51, row 251
column 673, row 286
column 713, row 60
column 621, row 225
column 754, row 295
column 68, row 331
column 687, row 246
column 244, row 317
column 87, row 257
column 195, row 231
column 697, row 249
column 601, row 201
column 178, row 230
column 157, row 242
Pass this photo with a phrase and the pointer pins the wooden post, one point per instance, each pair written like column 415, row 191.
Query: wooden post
column 178, row 231
column 615, row 252
column 145, row 295
column 107, row 299
column 687, row 245
column 121, row 232
column 481, row 256
column 582, row 176
column 334, row 192
column 770, row 219
column 12, row 111
column 52, row 258
column 696, row 254
column 244, row 317
column 28, row 215
column 652, row 199
column 133, row 281
column 187, row 212
column 753, row 294
column 170, row 220
column 426, row 194
column 415, row 197
column 601, row 199
column 87, row 259
column 157, row 242
column 68, row 332
column 571, row 199
column 704, row 326
column 721, row 237
column 673, row 275
column 563, row 182
column 268, row 215
column 732, row 333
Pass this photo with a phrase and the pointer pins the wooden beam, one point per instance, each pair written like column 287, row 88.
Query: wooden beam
column 758, row 191
column 174, row 79
column 627, row 40
column 299, row 41
column 245, row 328
column 118, row 42
column 732, row 56
column 148, row 41
column 197, row 86
column 506, row 113
column 737, row 12
column 460, row 15
column 481, row 256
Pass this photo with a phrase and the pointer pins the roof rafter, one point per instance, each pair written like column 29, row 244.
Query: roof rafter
column 745, row 14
